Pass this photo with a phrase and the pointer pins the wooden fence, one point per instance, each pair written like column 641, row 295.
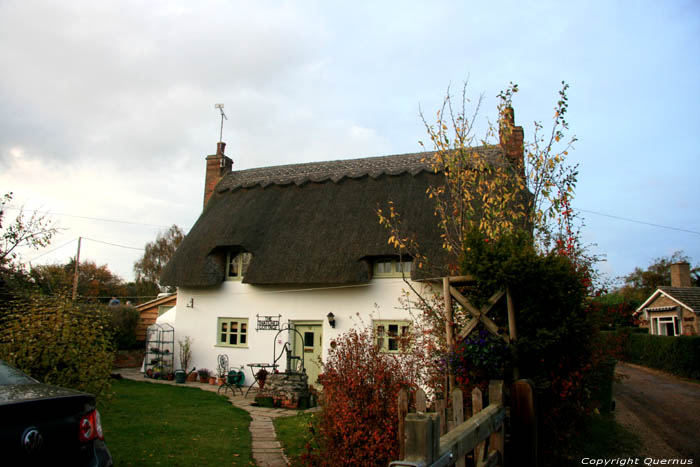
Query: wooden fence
column 443, row 438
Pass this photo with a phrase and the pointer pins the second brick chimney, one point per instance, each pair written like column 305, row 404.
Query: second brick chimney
column 511, row 140
column 218, row 165
column 680, row 274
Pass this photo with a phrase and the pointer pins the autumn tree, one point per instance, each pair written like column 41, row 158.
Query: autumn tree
column 157, row 255
column 95, row 281
column 484, row 191
column 32, row 232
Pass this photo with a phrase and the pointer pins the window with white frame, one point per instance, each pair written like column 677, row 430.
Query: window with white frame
column 237, row 265
column 232, row 332
column 391, row 336
column 392, row 267
column 665, row 326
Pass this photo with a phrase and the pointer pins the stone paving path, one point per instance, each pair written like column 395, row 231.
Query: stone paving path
column 267, row 450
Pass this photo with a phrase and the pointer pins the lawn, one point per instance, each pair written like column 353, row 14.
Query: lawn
column 293, row 433
column 148, row 424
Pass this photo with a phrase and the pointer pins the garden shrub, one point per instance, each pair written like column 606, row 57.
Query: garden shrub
column 122, row 321
column 58, row 343
column 358, row 423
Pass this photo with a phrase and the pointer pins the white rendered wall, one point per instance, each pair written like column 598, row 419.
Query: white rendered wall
column 378, row 299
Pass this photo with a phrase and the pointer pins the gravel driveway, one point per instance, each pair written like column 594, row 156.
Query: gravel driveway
column 664, row 411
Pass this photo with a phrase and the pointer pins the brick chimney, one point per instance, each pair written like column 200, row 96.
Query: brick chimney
column 680, row 274
column 218, row 165
column 511, row 140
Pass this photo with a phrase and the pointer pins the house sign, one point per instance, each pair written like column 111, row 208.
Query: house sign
column 268, row 323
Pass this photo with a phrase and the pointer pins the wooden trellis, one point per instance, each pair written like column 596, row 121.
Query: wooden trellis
column 478, row 315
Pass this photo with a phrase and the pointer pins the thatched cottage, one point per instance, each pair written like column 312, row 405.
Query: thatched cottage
column 301, row 244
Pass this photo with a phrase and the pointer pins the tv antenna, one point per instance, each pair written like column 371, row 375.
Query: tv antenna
column 223, row 116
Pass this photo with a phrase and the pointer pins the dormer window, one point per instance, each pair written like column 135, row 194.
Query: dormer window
column 237, row 265
column 392, row 267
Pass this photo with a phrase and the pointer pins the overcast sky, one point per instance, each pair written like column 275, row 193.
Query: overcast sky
column 107, row 108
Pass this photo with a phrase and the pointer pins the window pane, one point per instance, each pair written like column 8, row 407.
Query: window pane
column 233, row 339
column 393, row 329
column 393, row 344
column 232, row 266
column 243, row 339
column 406, row 266
column 234, row 326
column 380, row 342
column 245, row 261
column 244, row 327
column 404, row 331
column 308, row 339
column 380, row 330
column 224, row 327
column 223, row 338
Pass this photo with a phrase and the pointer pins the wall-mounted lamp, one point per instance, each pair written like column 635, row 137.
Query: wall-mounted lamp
column 190, row 304
column 331, row 319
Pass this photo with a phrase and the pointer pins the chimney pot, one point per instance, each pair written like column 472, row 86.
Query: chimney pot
column 220, row 147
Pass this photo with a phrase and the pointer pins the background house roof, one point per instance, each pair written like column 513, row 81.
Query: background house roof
column 312, row 223
column 689, row 296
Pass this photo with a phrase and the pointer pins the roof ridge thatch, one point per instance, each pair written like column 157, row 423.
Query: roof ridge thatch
column 336, row 170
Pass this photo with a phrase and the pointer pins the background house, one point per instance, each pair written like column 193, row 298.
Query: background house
column 296, row 243
column 672, row 311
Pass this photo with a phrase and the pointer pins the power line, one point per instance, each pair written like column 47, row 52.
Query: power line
column 114, row 244
column 102, row 219
column 51, row 251
column 86, row 238
column 638, row 222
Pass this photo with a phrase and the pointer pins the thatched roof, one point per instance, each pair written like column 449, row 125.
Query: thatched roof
column 313, row 223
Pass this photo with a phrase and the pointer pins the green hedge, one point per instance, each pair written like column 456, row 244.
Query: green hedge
column 678, row 355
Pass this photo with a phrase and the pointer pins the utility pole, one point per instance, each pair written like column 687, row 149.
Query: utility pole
column 75, row 274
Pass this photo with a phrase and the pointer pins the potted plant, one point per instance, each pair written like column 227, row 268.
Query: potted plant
column 185, row 357
column 212, row 379
column 203, row 375
column 171, row 376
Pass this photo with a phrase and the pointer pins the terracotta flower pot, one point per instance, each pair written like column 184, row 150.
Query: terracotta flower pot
column 222, row 380
column 212, row 380
column 192, row 377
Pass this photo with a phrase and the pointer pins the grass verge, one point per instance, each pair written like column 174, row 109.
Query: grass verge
column 293, row 433
column 148, row 424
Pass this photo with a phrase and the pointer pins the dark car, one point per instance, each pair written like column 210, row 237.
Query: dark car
column 48, row 425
